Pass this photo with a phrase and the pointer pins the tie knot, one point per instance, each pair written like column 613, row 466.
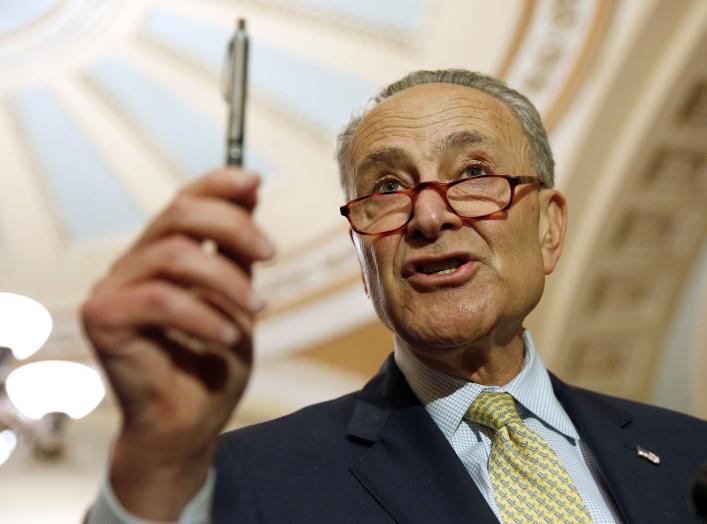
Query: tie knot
column 493, row 409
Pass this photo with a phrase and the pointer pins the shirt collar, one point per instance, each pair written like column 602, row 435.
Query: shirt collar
column 447, row 398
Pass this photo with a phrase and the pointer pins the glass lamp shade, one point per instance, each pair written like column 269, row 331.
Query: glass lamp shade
column 54, row 386
column 8, row 441
column 25, row 324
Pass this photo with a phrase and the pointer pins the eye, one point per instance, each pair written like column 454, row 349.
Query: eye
column 387, row 185
column 475, row 170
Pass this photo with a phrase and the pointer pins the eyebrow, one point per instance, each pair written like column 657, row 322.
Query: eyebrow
column 458, row 139
column 391, row 156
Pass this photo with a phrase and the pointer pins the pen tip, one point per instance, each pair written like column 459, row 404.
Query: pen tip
column 240, row 24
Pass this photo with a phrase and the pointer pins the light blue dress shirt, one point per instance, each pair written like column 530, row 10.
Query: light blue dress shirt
column 447, row 399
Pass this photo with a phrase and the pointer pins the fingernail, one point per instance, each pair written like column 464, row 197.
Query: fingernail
column 265, row 248
column 229, row 334
column 257, row 304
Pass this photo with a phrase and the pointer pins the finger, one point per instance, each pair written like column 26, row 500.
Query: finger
column 211, row 366
column 228, row 183
column 243, row 318
column 226, row 224
column 181, row 259
column 108, row 318
column 232, row 184
column 240, row 317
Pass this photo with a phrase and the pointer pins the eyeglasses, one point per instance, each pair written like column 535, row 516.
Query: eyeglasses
column 475, row 197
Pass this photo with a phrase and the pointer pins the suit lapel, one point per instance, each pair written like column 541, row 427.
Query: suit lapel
column 406, row 464
column 608, row 433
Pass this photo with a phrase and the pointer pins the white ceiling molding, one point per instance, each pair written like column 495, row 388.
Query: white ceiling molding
column 640, row 185
column 560, row 42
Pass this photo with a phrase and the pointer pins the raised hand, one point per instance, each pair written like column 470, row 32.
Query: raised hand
column 172, row 326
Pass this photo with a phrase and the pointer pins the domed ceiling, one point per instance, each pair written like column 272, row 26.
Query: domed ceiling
column 110, row 106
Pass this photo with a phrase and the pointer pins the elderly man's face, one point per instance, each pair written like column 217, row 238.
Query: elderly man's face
column 447, row 282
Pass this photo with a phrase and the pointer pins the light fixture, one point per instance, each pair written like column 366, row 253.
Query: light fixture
column 8, row 441
column 25, row 324
column 37, row 399
column 54, row 386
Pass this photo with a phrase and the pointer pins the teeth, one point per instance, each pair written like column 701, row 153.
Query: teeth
column 442, row 267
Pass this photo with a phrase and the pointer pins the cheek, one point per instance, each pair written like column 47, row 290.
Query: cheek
column 518, row 265
column 377, row 260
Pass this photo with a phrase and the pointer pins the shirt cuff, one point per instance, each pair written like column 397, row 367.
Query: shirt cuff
column 108, row 510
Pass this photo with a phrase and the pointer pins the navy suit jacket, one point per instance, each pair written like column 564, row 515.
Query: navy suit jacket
column 376, row 456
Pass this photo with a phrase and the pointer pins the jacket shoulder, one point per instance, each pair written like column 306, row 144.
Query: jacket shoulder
column 662, row 423
column 642, row 409
column 307, row 428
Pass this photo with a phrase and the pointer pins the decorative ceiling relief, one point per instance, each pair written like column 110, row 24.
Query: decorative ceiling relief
column 291, row 279
column 560, row 41
column 613, row 362
column 618, row 297
column 646, row 234
column 643, row 232
column 678, row 169
column 694, row 112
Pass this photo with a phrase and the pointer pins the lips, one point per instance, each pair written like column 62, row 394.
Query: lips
column 451, row 269
column 446, row 266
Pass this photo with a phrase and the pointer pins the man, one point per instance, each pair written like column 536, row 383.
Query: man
column 449, row 178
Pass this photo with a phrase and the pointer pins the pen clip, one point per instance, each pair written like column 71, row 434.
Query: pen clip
column 227, row 72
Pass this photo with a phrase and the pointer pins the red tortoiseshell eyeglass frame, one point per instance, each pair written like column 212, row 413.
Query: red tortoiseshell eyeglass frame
column 441, row 188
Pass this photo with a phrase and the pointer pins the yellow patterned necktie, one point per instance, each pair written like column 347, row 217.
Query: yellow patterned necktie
column 529, row 481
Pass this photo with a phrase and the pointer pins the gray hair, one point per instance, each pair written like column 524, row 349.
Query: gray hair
column 521, row 107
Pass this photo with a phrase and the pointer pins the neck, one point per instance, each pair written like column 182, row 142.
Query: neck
column 490, row 362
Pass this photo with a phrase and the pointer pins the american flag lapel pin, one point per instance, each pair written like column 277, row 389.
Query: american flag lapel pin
column 648, row 455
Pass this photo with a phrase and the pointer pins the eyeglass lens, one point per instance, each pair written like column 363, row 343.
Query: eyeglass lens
column 475, row 197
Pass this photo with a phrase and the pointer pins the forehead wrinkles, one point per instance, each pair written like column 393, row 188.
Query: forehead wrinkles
column 421, row 119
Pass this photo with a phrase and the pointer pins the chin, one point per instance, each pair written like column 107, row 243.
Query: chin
column 451, row 325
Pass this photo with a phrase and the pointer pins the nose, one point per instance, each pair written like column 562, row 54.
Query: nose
column 431, row 215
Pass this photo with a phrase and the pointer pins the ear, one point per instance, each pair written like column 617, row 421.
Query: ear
column 363, row 279
column 552, row 227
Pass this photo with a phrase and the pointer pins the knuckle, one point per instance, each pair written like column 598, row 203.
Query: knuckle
column 222, row 175
column 90, row 311
column 156, row 296
column 179, row 205
column 241, row 225
column 238, row 287
column 215, row 174
column 177, row 247
column 101, row 284
column 96, row 314
column 238, row 281
column 95, row 303
column 116, row 266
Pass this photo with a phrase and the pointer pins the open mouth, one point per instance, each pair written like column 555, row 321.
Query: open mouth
column 435, row 272
column 440, row 267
